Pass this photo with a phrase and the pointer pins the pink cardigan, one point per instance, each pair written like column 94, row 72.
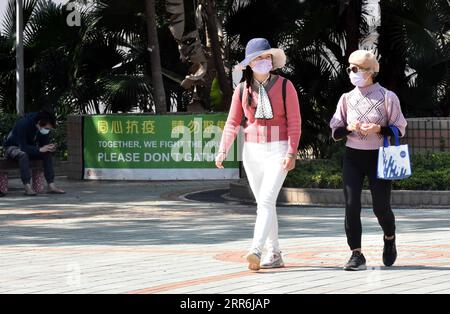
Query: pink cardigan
column 283, row 125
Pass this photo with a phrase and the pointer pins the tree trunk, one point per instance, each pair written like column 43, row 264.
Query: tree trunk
column 155, row 59
column 216, row 49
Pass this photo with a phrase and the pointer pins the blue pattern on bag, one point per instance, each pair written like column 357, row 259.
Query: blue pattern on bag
column 391, row 170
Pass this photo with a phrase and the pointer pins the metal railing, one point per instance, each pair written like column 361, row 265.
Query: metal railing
column 428, row 134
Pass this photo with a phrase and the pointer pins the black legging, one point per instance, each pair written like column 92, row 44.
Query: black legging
column 358, row 164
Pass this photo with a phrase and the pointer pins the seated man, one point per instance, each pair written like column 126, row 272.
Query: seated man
column 29, row 139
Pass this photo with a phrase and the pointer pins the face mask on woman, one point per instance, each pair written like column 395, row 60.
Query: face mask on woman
column 358, row 79
column 263, row 66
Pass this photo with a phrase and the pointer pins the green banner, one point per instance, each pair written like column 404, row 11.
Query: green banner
column 146, row 147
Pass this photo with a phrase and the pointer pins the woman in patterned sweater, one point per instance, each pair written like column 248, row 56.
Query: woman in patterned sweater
column 363, row 117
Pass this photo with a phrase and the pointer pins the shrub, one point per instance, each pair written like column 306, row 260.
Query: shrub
column 430, row 171
column 59, row 136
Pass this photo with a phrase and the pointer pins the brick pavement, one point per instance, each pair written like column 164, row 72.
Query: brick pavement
column 140, row 237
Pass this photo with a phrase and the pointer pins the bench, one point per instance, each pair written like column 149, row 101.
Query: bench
column 6, row 165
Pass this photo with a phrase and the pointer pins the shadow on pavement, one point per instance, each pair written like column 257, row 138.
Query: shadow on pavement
column 112, row 213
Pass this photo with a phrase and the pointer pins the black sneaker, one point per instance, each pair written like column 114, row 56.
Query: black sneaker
column 2, row 194
column 389, row 252
column 356, row 262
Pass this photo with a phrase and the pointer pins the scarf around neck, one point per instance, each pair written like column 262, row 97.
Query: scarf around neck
column 264, row 106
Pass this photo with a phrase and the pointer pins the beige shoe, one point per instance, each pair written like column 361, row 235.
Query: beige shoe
column 254, row 260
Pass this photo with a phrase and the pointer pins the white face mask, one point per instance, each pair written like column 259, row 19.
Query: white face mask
column 44, row 131
column 263, row 66
column 358, row 79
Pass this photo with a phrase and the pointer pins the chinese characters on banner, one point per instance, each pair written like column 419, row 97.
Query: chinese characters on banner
column 166, row 147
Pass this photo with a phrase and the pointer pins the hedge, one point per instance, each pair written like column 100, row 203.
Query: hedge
column 57, row 136
column 430, row 171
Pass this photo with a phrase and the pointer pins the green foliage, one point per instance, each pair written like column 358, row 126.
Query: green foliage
column 104, row 65
column 414, row 39
column 430, row 171
column 318, row 37
column 7, row 121
column 57, row 136
column 216, row 94
column 99, row 67
column 315, row 174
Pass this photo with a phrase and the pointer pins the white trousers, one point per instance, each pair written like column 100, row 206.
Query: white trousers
column 263, row 163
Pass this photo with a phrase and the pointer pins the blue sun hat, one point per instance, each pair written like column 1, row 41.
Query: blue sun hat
column 259, row 46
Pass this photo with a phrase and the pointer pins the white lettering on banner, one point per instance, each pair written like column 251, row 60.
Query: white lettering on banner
column 166, row 144
column 216, row 134
column 198, row 136
column 119, row 144
column 183, row 143
column 157, row 157
column 199, row 157
column 119, row 157
column 150, row 144
column 186, row 145
column 201, row 153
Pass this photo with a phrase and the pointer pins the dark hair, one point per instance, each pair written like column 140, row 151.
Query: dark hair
column 44, row 118
column 247, row 77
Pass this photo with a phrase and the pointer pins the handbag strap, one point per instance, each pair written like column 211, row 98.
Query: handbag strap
column 397, row 138
column 392, row 127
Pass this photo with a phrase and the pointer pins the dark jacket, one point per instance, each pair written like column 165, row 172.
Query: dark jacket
column 26, row 135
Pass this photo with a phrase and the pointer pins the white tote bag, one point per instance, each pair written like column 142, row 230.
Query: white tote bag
column 393, row 161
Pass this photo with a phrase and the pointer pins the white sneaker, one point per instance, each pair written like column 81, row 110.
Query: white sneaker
column 254, row 260
column 272, row 260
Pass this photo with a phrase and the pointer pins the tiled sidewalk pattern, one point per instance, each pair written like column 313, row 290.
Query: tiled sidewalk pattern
column 135, row 237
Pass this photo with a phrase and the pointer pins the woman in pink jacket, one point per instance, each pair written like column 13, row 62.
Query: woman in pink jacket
column 272, row 131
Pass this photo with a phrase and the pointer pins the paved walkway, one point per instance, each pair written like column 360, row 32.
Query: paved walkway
column 134, row 237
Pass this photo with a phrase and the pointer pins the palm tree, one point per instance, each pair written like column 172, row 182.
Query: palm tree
column 125, row 22
column 214, row 31
column 158, row 86
column 46, row 54
column 188, row 25
column 415, row 54
column 104, row 65
column 317, row 37
column 98, row 67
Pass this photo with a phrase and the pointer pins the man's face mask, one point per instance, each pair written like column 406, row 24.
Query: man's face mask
column 44, row 131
